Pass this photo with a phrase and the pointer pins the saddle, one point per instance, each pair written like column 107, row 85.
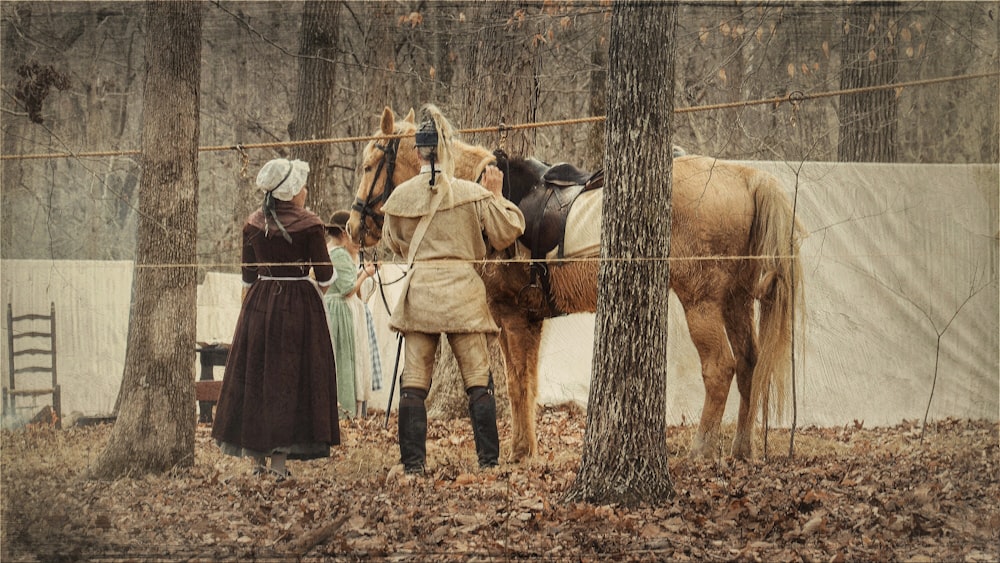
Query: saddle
column 546, row 208
column 546, row 211
column 565, row 174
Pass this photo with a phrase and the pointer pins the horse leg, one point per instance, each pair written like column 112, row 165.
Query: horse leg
column 708, row 331
column 740, row 328
column 520, row 339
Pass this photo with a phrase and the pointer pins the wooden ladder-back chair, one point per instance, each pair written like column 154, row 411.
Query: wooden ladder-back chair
column 31, row 347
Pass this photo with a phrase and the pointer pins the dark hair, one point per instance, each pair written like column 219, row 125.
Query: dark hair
column 426, row 141
column 338, row 223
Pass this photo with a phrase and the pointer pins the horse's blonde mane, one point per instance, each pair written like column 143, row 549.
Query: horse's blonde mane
column 472, row 160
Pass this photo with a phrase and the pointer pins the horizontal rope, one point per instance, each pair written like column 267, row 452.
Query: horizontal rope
column 527, row 261
column 798, row 96
column 792, row 97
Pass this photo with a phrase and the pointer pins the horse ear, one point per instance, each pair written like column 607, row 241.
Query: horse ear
column 388, row 121
column 411, row 117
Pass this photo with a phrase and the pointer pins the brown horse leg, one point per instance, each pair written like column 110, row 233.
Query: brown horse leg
column 739, row 325
column 520, row 339
column 708, row 331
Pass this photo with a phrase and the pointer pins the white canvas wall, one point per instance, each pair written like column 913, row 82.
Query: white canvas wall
column 894, row 252
column 92, row 308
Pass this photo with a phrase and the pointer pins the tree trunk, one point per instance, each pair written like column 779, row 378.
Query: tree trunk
column 315, row 104
column 868, row 119
column 154, row 431
column 625, row 444
column 443, row 49
column 381, row 81
column 504, row 61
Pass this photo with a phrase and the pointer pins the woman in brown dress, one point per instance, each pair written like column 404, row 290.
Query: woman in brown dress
column 279, row 393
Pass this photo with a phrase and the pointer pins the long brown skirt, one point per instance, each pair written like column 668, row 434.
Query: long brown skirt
column 279, row 393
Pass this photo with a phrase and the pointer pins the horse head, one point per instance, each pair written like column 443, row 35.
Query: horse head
column 387, row 161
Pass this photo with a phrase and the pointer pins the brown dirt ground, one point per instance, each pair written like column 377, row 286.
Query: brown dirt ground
column 849, row 494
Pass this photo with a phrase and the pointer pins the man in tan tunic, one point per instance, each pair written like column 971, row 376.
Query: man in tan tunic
column 442, row 224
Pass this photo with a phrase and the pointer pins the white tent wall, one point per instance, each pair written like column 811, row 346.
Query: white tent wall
column 218, row 309
column 92, row 300
column 897, row 254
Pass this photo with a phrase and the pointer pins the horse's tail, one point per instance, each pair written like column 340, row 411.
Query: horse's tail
column 774, row 245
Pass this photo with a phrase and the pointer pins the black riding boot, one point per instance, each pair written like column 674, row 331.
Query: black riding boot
column 483, row 412
column 412, row 429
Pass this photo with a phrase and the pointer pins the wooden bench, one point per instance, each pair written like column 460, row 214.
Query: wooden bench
column 208, row 392
column 207, row 389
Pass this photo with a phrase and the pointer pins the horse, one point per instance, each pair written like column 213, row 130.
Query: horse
column 734, row 267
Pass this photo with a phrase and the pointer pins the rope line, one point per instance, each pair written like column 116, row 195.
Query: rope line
column 526, row 261
column 797, row 96
column 793, row 97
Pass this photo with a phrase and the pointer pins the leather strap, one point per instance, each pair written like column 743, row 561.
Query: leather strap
column 418, row 237
column 425, row 222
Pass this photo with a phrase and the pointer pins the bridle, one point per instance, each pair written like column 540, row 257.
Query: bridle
column 366, row 208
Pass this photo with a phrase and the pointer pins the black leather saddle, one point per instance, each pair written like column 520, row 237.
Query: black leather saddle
column 546, row 207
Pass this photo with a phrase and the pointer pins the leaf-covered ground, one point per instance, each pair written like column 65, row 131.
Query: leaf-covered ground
column 849, row 494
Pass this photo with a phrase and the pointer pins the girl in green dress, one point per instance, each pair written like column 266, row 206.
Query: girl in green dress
column 346, row 319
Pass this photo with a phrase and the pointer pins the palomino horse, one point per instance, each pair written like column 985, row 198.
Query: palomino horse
column 734, row 243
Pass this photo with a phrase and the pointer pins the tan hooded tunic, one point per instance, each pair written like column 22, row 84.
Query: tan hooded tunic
column 444, row 292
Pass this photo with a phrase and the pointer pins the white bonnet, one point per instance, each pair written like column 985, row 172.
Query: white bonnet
column 283, row 177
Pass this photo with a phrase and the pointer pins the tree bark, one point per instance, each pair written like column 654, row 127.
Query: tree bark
column 315, row 106
column 868, row 122
column 382, row 82
column 504, row 63
column 154, row 431
column 625, row 448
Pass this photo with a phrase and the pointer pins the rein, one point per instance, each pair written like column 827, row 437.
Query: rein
column 383, row 284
